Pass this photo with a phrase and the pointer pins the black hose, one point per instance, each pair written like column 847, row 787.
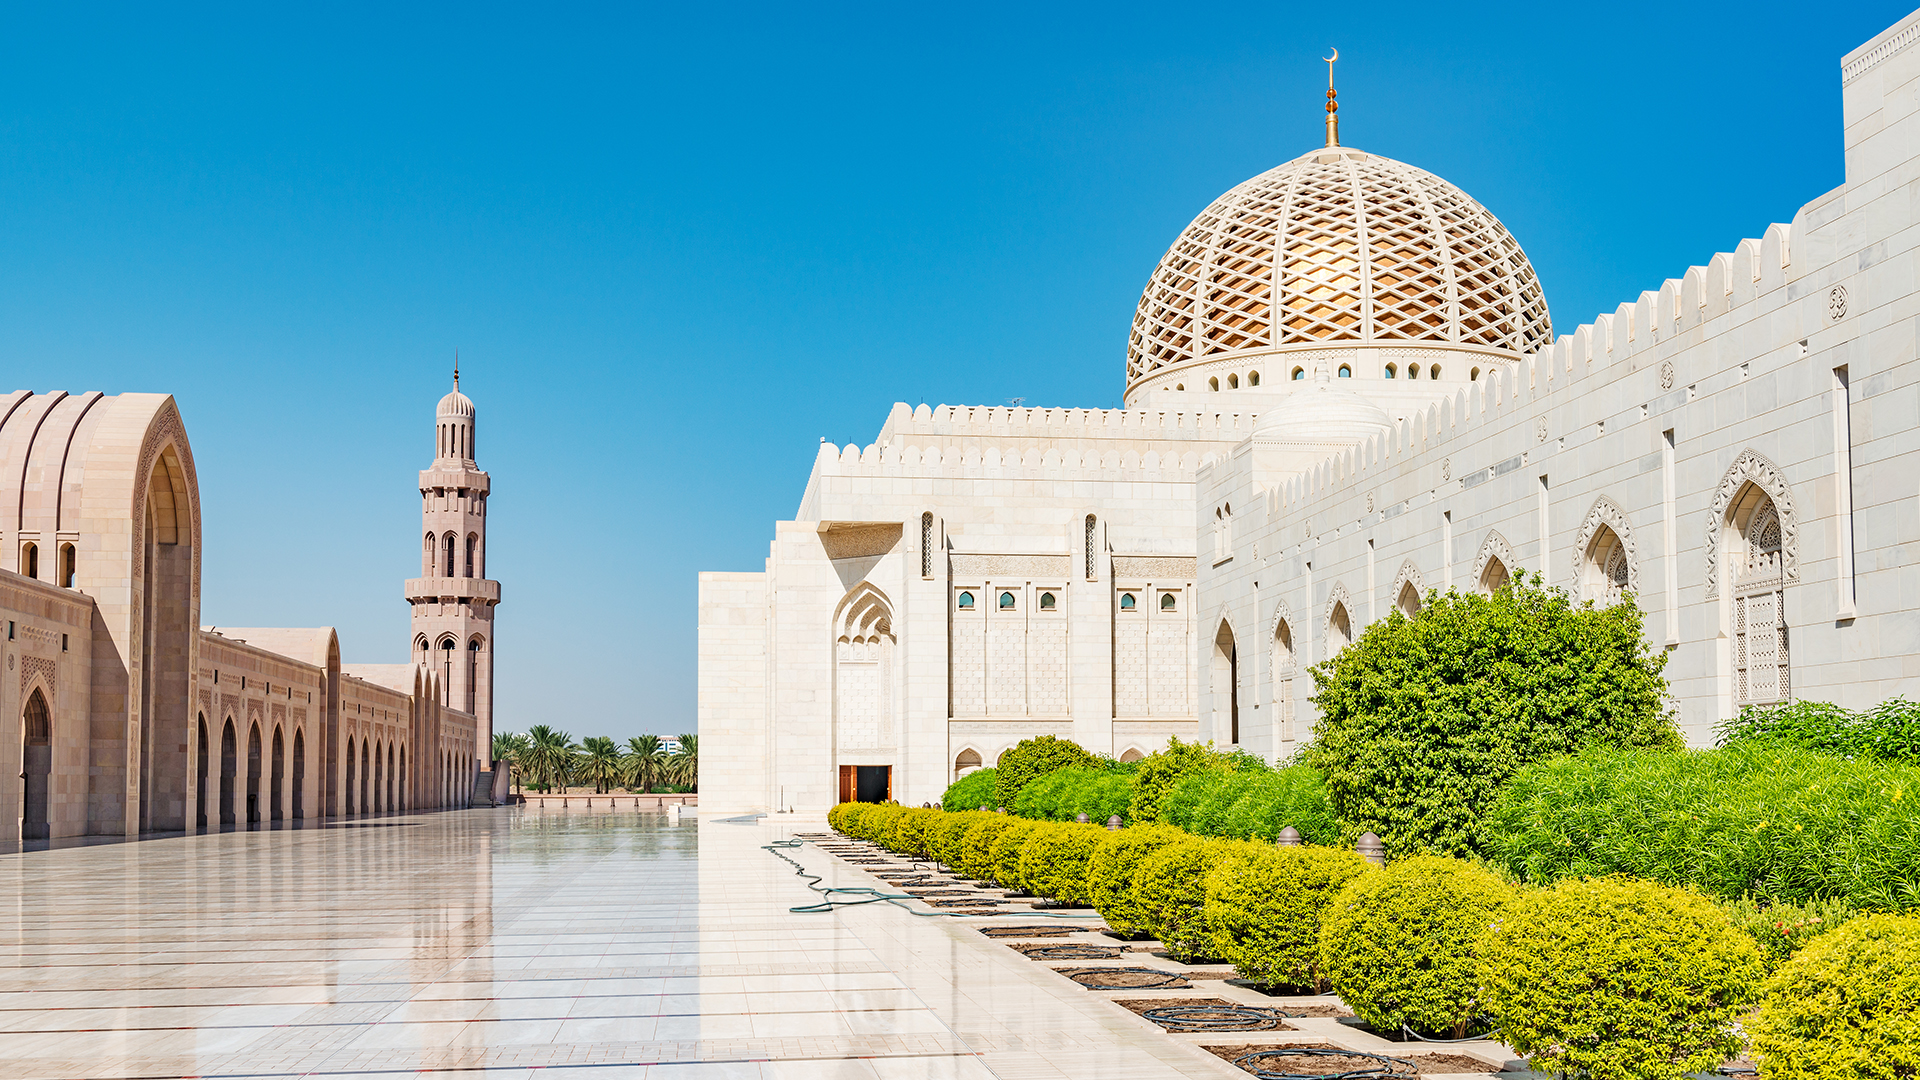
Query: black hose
column 1074, row 951
column 1168, row 979
column 828, row 903
column 1214, row 1018
column 1389, row 1066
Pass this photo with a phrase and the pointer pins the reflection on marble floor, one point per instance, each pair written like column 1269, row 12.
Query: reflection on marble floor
column 505, row 943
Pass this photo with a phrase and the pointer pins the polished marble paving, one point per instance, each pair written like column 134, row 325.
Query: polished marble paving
column 525, row 944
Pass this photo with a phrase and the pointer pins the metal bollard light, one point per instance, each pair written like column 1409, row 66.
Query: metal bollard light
column 1002, row 810
column 983, row 808
column 1081, row 817
column 1113, row 823
column 1289, row 837
column 1371, row 849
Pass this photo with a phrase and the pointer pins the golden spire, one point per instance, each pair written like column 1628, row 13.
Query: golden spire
column 456, row 369
column 1333, row 106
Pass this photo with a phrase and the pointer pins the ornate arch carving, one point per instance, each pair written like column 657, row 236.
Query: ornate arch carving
column 1605, row 511
column 1753, row 468
column 1409, row 575
column 1337, row 599
column 1282, row 613
column 1493, row 547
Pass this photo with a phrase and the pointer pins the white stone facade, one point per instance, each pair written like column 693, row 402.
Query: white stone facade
column 1736, row 448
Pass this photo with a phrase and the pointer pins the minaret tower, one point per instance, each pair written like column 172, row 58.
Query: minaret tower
column 453, row 600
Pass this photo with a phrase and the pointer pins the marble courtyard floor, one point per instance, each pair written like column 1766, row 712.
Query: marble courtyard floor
column 507, row 943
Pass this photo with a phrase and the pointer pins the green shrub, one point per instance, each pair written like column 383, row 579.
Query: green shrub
column 1846, row 1007
column 1007, row 849
column 1093, row 790
column 1617, row 979
column 842, row 817
column 1424, row 719
column 971, row 792
column 1170, row 887
column 976, row 848
column 910, row 831
column 1263, row 908
column 948, row 832
column 876, row 825
column 1400, row 946
column 1110, row 875
column 1780, row 929
column 1055, row 861
column 1890, row 731
column 1253, row 805
column 1157, row 773
column 1030, row 759
column 1753, row 819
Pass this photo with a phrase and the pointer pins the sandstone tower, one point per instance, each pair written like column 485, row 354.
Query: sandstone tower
column 453, row 599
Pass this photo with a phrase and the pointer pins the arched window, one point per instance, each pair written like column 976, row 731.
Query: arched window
column 1180, row 386
column 1759, row 600
column 1233, row 382
column 30, row 560
column 1392, row 371
column 473, row 542
column 473, row 676
column 1253, row 378
column 1133, row 754
column 1475, row 376
column 1433, row 371
column 67, row 567
column 1168, row 602
column 1226, row 684
column 1605, row 574
column 1093, row 560
column 1283, row 672
column 1006, row 601
column 1213, row 384
column 926, row 545
column 1046, row 601
column 1413, row 371
column 1339, row 630
column 1494, row 577
column 1299, row 373
column 1126, row 601
column 449, row 565
column 965, row 602
column 426, row 556
column 1346, row 372
column 447, row 649
column 1408, row 601
column 966, row 762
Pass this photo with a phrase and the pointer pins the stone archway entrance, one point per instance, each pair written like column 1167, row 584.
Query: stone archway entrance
column 36, row 761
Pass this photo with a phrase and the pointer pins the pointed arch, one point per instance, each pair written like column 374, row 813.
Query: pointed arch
column 1494, row 565
column 1338, row 620
column 1224, row 682
column 1283, row 663
column 863, row 669
column 36, row 760
column 1752, row 469
column 1408, row 592
column 1606, row 561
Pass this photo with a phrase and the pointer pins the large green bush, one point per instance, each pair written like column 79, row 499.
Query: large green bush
column 1616, row 979
column 1007, row 849
column 842, row 817
column 1110, row 872
column 1263, row 908
column 910, row 831
column 1099, row 792
column 976, row 847
column 1847, row 1007
column 1424, row 719
column 972, row 791
column 1253, row 804
column 946, row 837
column 1054, row 863
column 1890, row 731
column 1776, row 824
column 1158, row 772
column 876, row 825
column 1170, row 887
column 1401, row 946
column 1030, row 759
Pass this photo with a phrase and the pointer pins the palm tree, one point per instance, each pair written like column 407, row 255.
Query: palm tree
column 645, row 762
column 600, row 763
column 518, row 747
column 549, row 754
column 684, row 765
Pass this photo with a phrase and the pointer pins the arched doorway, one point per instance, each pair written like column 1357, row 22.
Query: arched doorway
column 366, row 780
column 276, row 807
column 299, row 775
column 36, row 760
column 229, row 772
column 350, row 803
column 401, row 772
column 253, row 774
column 200, row 785
column 379, row 802
column 1226, row 684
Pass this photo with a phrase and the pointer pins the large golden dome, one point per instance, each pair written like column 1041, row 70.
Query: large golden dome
column 1335, row 248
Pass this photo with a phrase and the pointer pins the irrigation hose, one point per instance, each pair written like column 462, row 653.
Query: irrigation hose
column 875, row 896
column 1205, row 1018
column 1167, row 978
column 1389, row 1066
column 1417, row 1037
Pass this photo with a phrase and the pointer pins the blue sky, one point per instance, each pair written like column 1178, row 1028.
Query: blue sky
column 677, row 246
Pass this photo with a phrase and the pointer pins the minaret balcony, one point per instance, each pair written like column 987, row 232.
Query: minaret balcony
column 453, row 588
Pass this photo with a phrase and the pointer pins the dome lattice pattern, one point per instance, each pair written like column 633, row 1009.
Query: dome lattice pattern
column 1363, row 248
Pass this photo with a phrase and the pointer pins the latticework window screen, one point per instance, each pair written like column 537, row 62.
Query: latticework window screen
column 1335, row 246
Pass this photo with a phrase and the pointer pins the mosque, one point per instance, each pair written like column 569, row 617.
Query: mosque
column 130, row 718
column 1344, row 389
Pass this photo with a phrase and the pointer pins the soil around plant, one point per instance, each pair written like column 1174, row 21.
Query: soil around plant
column 1318, row 1065
column 1071, row 950
column 1096, row 978
column 1049, row 930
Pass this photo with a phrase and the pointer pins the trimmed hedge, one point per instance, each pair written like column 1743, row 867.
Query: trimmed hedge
column 1110, row 873
column 1170, row 887
column 1054, row 863
column 1400, row 945
column 1263, row 907
column 976, row 847
column 1031, row 759
column 1847, row 1007
column 1773, row 823
column 971, row 792
column 1006, row 852
column 1618, row 979
column 946, row 837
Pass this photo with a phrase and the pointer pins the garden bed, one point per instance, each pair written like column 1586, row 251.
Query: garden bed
column 1323, row 1060
column 1047, row 930
column 1206, row 1014
column 1119, row 978
column 1071, row 950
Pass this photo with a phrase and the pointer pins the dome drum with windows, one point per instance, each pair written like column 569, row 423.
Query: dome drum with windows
column 1373, row 267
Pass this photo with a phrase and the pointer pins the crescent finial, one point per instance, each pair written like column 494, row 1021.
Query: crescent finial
column 1335, row 56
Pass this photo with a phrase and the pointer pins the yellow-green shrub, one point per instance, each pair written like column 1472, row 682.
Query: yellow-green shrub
column 1846, row 1006
column 976, row 848
column 1171, row 887
column 1263, row 908
column 876, row 825
column 1110, row 875
column 1400, row 945
column 1618, row 979
column 910, row 831
column 945, row 835
column 1055, row 861
column 1007, row 849
column 845, row 818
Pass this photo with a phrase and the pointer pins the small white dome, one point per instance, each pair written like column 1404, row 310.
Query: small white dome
column 456, row 405
column 1321, row 413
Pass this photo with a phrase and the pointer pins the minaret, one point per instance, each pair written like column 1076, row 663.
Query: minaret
column 453, row 599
